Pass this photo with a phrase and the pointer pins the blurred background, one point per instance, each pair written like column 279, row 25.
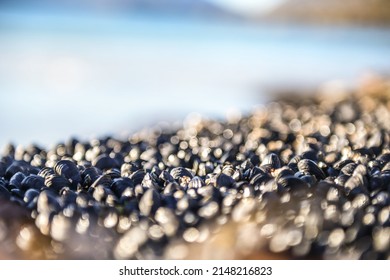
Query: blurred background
column 90, row 68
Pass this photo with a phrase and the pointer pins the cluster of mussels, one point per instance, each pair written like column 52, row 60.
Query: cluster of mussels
column 303, row 178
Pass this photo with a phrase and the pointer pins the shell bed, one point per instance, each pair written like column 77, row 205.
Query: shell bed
column 299, row 178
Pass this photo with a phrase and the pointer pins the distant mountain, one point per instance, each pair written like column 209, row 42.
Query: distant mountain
column 182, row 7
column 332, row 11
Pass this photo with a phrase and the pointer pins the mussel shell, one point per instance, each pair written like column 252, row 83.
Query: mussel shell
column 166, row 177
column 293, row 163
column 310, row 167
column 127, row 169
column 171, row 188
column 138, row 177
column 33, row 182
column 361, row 170
column 83, row 199
column 17, row 193
column 374, row 165
column 103, row 180
column 283, row 172
column 90, row 175
column 56, row 182
column 114, row 173
column 384, row 158
column 348, row 168
column 382, row 199
column 180, row 172
column 68, row 169
column 224, row 180
column 310, row 179
column 246, row 165
column 15, row 167
column 210, row 192
column 119, row 185
column 341, row 163
column 69, row 196
column 296, row 186
column 149, row 202
column 228, row 169
column 237, row 175
column 3, row 183
column 196, row 182
column 17, row 200
column 104, row 162
column 168, row 220
column 151, row 181
column 310, row 154
column 260, row 178
column 16, row 180
column 48, row 202
column 376, row 182
column 101, row 192
column 4, row 192
column 271, row 160
column 356, row 184
column 386, row 167
column 46, row 171
column 3, row 168
column 342, row 179
column 252, row 172
column 291, row 182
column 30, row 195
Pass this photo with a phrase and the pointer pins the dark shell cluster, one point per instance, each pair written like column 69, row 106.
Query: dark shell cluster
column 298, row 178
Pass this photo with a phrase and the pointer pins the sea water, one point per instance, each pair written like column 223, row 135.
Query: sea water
column 88, row 75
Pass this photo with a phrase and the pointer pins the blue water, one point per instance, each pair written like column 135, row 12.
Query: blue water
column 85, row 75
